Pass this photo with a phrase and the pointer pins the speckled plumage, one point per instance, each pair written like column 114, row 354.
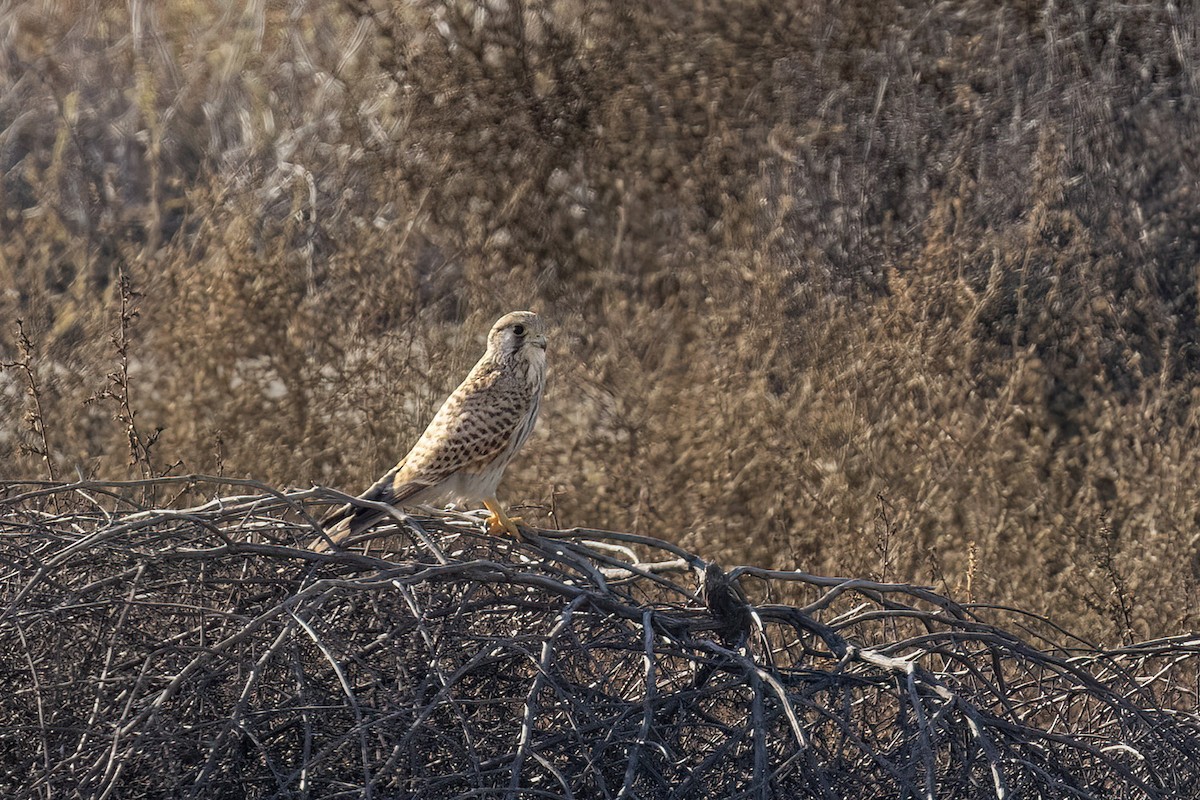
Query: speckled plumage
column 461, row 456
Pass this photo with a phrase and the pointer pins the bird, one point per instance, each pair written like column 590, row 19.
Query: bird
column 728, row 605
column 461, row 456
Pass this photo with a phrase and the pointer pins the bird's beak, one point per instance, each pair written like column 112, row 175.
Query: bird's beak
column 538, row 341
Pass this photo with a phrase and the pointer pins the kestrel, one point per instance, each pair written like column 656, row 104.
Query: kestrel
column 477, row 431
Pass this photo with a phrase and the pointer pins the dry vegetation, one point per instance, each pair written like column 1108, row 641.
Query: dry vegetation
column 203, row 652
column 900, row 290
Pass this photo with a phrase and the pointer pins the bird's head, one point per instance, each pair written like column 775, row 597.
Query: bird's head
column 521, row 334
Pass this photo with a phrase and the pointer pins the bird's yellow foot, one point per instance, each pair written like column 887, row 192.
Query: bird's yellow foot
column 499, row 523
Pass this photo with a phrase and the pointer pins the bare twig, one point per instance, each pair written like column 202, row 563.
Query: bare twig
column 35, row 417
column 118, row 389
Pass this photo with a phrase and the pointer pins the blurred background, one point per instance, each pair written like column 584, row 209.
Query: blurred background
column 903, row 290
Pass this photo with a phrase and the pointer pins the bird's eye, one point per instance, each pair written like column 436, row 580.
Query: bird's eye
column 519, row 330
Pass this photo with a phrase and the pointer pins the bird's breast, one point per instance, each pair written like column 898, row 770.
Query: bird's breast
column 535, row 368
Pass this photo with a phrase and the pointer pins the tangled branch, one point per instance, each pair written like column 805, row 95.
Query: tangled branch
column 199, row 649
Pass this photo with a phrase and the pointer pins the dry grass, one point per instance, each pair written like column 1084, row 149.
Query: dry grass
column 906, row 291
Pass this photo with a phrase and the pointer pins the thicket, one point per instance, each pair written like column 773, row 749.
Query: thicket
column 899, row 290
column 203, row 651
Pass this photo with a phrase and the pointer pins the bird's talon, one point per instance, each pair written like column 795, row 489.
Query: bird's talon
column 500, row 524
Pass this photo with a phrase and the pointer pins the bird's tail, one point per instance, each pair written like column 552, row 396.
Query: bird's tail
column 345, row 523
column 348, row 521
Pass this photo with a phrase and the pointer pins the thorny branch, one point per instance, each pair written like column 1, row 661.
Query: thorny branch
column 203, row 650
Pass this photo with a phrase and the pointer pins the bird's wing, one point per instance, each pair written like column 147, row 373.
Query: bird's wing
column 472, row 427
column 350, row 520
column 381, row 491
